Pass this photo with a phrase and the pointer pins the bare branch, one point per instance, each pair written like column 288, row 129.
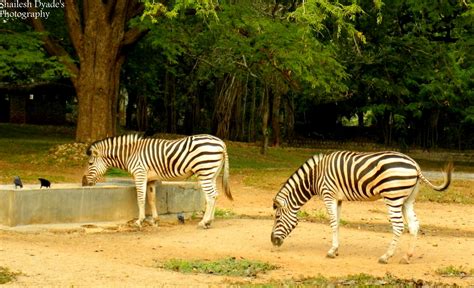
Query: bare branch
column 136, row 8
column 74, row 25
column 51, row 46
column 132, row 36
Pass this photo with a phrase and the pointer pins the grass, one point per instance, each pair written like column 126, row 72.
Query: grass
column 357, row 280
column 460, row 192
column 226, row 267
column 48, row 151
column 453, row 271
column 7, row 276
column 224, row 213
column 317, row 215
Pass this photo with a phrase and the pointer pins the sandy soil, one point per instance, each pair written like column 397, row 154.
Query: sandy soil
column 115, row 255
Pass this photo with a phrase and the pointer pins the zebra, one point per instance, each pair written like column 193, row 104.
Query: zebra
column 354, row 176
column 149, row 160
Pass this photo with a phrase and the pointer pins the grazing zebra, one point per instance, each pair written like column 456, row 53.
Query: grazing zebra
column 150, row 160
column 354, row 176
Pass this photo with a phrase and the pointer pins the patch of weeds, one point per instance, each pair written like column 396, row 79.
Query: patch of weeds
column 115, row 172
column 343, row 222
column 225, row 267
column 224, row 213
column 358, row 280
column 460, row 192
column 302, row 214
column 453, row 271
column 318, row 215
column 6, row 275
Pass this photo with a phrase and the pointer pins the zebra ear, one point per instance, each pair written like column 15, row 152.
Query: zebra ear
column 95, row 153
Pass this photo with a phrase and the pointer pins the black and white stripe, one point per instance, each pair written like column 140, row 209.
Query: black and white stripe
column 351, row 176
column 151, row 159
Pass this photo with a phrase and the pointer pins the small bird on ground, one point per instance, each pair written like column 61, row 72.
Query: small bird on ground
column 17, row 182
column 44, row 183
column 181, row 217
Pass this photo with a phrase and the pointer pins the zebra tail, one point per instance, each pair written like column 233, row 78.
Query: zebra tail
column 225, row 176
column 448, row 170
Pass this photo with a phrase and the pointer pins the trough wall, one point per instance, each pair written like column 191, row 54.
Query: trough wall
column 104, row 202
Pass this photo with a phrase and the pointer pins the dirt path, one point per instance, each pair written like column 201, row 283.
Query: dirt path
column 118, row 256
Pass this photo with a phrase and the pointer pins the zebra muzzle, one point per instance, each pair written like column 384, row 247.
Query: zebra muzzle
column 85, row 182
column 277, row 241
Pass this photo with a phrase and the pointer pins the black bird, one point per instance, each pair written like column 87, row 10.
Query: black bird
column 17, row 182
column 44, row 183
column 181, row 218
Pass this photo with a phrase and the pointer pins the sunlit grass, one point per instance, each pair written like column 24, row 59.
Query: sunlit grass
column 29, row 151
column 6, row 275
column 357, row 280
column 224, row 213
column 227, row 267
column 453, row 271
column 460, row 191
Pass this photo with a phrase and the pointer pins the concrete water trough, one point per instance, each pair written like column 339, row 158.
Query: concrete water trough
column 109, row 201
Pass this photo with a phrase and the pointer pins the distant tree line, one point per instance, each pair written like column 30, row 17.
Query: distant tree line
column 396, row 72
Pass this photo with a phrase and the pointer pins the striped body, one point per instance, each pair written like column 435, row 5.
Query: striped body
column 150, row 159
column 350, row 176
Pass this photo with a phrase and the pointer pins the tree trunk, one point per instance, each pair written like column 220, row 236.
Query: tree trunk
column 276, row 119
column 170, row 90
column 265, row 110
column 244, row 110
column 97, row 93
column 225, row 102
column 290, row 117
column 251, row 130
column 97, row 30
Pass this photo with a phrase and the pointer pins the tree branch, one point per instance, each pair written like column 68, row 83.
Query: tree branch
column 133, row 35
column 110, row 8
column 51, row 46
column 136, row 8
column 74, row 25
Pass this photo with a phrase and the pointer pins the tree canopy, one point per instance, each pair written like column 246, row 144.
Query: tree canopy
column 400, row 73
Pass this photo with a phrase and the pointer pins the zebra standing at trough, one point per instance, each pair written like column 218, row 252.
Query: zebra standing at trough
column 151, row 159
column 354, row 176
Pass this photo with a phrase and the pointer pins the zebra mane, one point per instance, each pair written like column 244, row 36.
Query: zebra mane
column 286, row 191
column 318, row 158
column 134, row 137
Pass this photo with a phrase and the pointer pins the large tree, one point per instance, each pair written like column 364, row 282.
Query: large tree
column 100, row 35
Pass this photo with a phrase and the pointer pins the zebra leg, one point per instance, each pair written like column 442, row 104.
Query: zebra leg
column 333, row 207
column 209, row 188
column 395, row 214
column 413, row 227
column 141, row 192
column 151, row 200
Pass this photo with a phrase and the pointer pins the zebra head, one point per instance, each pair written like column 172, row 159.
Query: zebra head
column 285, row 221
column 97, row 166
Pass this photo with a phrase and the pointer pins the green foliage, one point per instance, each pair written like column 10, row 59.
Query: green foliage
column 23, row 59
column 154, row 9
column 228, row 266
column 414, row 73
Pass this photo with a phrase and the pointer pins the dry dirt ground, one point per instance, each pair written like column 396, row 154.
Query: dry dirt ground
column 115, row 255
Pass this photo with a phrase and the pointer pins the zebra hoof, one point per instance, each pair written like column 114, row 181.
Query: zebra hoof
column 332, row 254
column 151, row 221
column 383, row 260
column 204, row 225
column 137, row 224
column 405, row 260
